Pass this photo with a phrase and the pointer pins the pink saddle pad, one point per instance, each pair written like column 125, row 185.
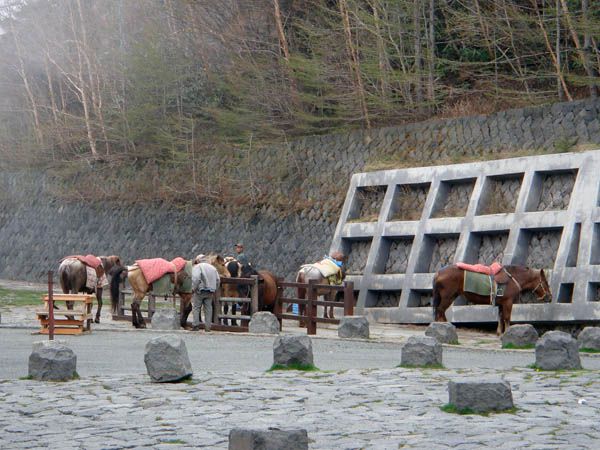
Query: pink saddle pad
column 492, row 269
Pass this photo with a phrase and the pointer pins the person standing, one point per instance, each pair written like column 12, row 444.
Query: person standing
column 205, row 283
column 241, row 256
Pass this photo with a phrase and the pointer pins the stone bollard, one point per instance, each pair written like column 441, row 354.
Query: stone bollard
column 480, row 396
column 589, row 339
column 269, row 439
column 421, row 351
column 263, row 322
column 165, row 319
column 167, row 359
column 354, row 327
column 55, row 362
column 557, row 350
column 443, row 332
column 520, row 336
column 293, row 351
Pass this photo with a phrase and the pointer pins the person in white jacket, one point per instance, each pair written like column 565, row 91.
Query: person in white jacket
column 205, row 284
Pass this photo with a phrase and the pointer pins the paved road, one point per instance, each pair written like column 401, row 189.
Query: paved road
column 122, row 353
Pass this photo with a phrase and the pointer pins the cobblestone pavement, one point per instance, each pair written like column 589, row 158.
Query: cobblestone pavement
column 375, row 409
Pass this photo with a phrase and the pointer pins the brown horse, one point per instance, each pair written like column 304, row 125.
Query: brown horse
column 73, row 278
column 140, row 288
column 268, row 289
column 448, row 284
column 311, row 272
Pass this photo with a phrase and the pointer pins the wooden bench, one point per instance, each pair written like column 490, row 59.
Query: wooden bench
column 77, row 320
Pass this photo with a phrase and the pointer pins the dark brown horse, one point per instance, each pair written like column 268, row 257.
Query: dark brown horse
column 448, row 284
column 268, row 289
column 73, row 278
column 310, row 272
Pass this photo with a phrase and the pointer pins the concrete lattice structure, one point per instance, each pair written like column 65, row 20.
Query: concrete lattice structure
column 400, row 226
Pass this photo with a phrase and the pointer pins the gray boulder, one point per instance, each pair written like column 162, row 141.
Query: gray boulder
column 269, row 439
column 421, row 351
column 264, row 322
column 480, row 396
column 557, row 350
column 55, row 362
column 293, row 350
column 443, row 332
column 589, row 338
column 165, row 319
column 53, row 343
column 354, row 327
column 166, row 359
column 520, row 336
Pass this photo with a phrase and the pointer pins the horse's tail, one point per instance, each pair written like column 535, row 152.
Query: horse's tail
column 436, row 298
column 63, row 274
column 115, row 289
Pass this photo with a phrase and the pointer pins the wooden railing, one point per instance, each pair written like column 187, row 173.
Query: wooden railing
column 311, row 302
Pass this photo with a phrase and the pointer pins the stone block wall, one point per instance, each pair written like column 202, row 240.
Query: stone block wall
column 312, row 174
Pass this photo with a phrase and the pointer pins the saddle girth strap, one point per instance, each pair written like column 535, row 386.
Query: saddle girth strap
column 515, row 281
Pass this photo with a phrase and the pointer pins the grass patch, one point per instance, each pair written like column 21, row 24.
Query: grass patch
column 589, row 350
column 28, row 377
column 294, row 366
column 452, row 409
column 428, row 366
column 20, row 297
column 537, row 368
column 512, row 346
column 174, row 441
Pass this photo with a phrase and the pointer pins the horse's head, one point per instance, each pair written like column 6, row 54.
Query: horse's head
column 234, row 267
column 343, row 259
column 542, row 290
column 109, row 263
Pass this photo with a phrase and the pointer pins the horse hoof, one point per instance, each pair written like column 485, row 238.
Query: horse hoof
column 96, row 320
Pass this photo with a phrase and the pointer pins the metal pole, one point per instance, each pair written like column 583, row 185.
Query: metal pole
column 311, row 327
column 50, row 306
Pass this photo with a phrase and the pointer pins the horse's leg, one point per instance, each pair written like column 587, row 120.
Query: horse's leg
column 99, row 299
column 134, row 317
column 507, row 314
column 500, row 319
column 141, row 320
column 302, row 308
column 185, row 312
column 233, row 312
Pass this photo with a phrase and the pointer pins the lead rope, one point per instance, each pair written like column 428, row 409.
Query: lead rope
column 516, row 282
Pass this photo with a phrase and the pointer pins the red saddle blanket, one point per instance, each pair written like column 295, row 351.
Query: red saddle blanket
column 492, row 269
column 88, row 260
column 155, row 268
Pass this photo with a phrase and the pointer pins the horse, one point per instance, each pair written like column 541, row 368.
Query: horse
column 310, row 272
column 141, row 287
column 73, row 277
column 268, row 289
column 448, row 284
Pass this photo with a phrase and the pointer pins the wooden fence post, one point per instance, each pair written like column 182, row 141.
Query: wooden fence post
column 348, row 298
column 278, row 309
column 311, row 308
column 254, row 296
column 50, row 306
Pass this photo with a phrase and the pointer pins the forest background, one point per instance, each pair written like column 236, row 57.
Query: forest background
column 172, row 100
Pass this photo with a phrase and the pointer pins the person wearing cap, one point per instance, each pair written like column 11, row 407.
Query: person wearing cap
column 205, row 284
column 241, row 256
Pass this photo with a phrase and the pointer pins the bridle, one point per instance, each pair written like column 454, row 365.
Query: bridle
column 544, row 291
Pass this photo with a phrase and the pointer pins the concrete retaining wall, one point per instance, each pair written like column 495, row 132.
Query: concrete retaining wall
column 539, row 211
